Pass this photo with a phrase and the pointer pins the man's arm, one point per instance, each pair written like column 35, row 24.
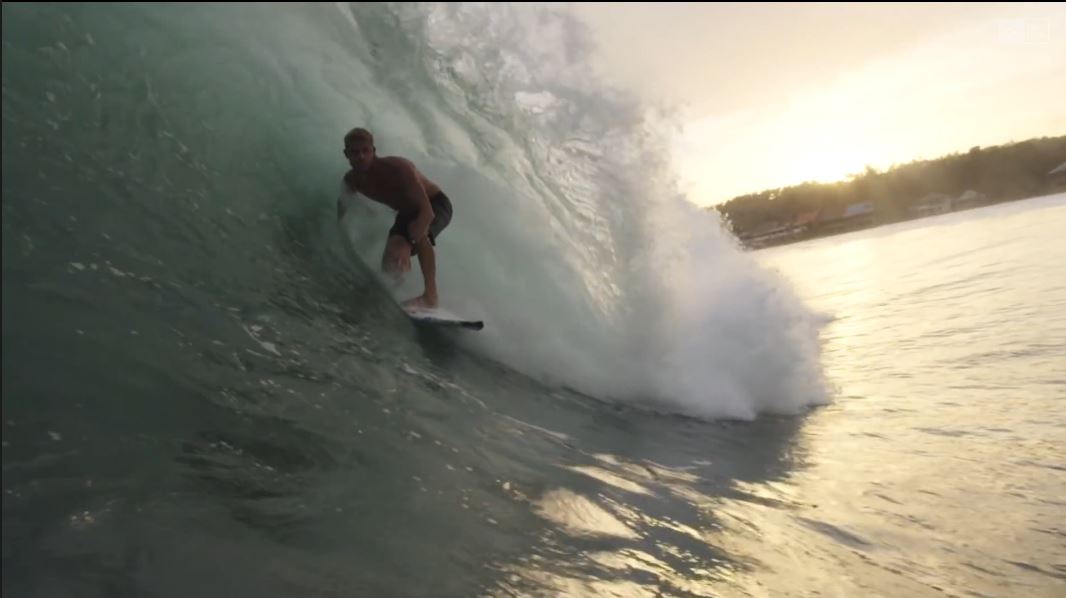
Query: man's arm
column 416, row 196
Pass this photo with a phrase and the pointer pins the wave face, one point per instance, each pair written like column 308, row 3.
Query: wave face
column 197, row 152
column 209, row 389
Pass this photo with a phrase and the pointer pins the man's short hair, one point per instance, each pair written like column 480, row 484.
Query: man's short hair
column 358, row 134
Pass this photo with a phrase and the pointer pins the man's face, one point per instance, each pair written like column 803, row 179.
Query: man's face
column 360, row 154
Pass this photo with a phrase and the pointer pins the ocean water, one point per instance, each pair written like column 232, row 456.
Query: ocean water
column 940, row 464
column 208, row 390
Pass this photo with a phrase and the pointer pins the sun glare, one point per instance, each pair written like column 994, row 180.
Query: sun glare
column 827, row 163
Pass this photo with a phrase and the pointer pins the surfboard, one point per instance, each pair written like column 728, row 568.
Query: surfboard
column 439, row 317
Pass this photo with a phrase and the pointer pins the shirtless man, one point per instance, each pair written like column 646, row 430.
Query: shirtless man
column 422, row 209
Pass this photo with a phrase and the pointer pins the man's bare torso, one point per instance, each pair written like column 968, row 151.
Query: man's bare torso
column 384, row 183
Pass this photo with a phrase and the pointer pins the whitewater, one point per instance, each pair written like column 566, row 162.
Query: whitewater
column 595, row 272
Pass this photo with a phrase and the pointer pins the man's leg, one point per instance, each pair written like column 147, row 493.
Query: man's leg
column 427, row 255
column 427, row 260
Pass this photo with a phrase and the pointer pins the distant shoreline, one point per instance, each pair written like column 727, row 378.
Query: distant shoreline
column 816, row 234
column 812, row 237
column 962, row 181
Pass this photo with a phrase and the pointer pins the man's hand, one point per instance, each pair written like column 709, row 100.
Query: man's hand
column 400, row 263
column 418, row 229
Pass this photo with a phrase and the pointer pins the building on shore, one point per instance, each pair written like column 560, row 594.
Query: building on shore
column 969, row 199
column 931, row 204
column 1058, row 177
column 850, row 217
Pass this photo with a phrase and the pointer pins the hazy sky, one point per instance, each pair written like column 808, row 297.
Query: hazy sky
column 777, row 94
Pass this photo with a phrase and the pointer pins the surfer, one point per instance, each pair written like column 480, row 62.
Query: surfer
column 422, row 210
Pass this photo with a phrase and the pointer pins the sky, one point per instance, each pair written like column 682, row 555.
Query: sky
column 771, row 95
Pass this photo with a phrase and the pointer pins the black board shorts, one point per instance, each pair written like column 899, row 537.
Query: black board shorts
column 442, row 215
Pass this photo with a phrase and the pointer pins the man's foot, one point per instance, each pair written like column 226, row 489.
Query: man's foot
column 422, row 302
